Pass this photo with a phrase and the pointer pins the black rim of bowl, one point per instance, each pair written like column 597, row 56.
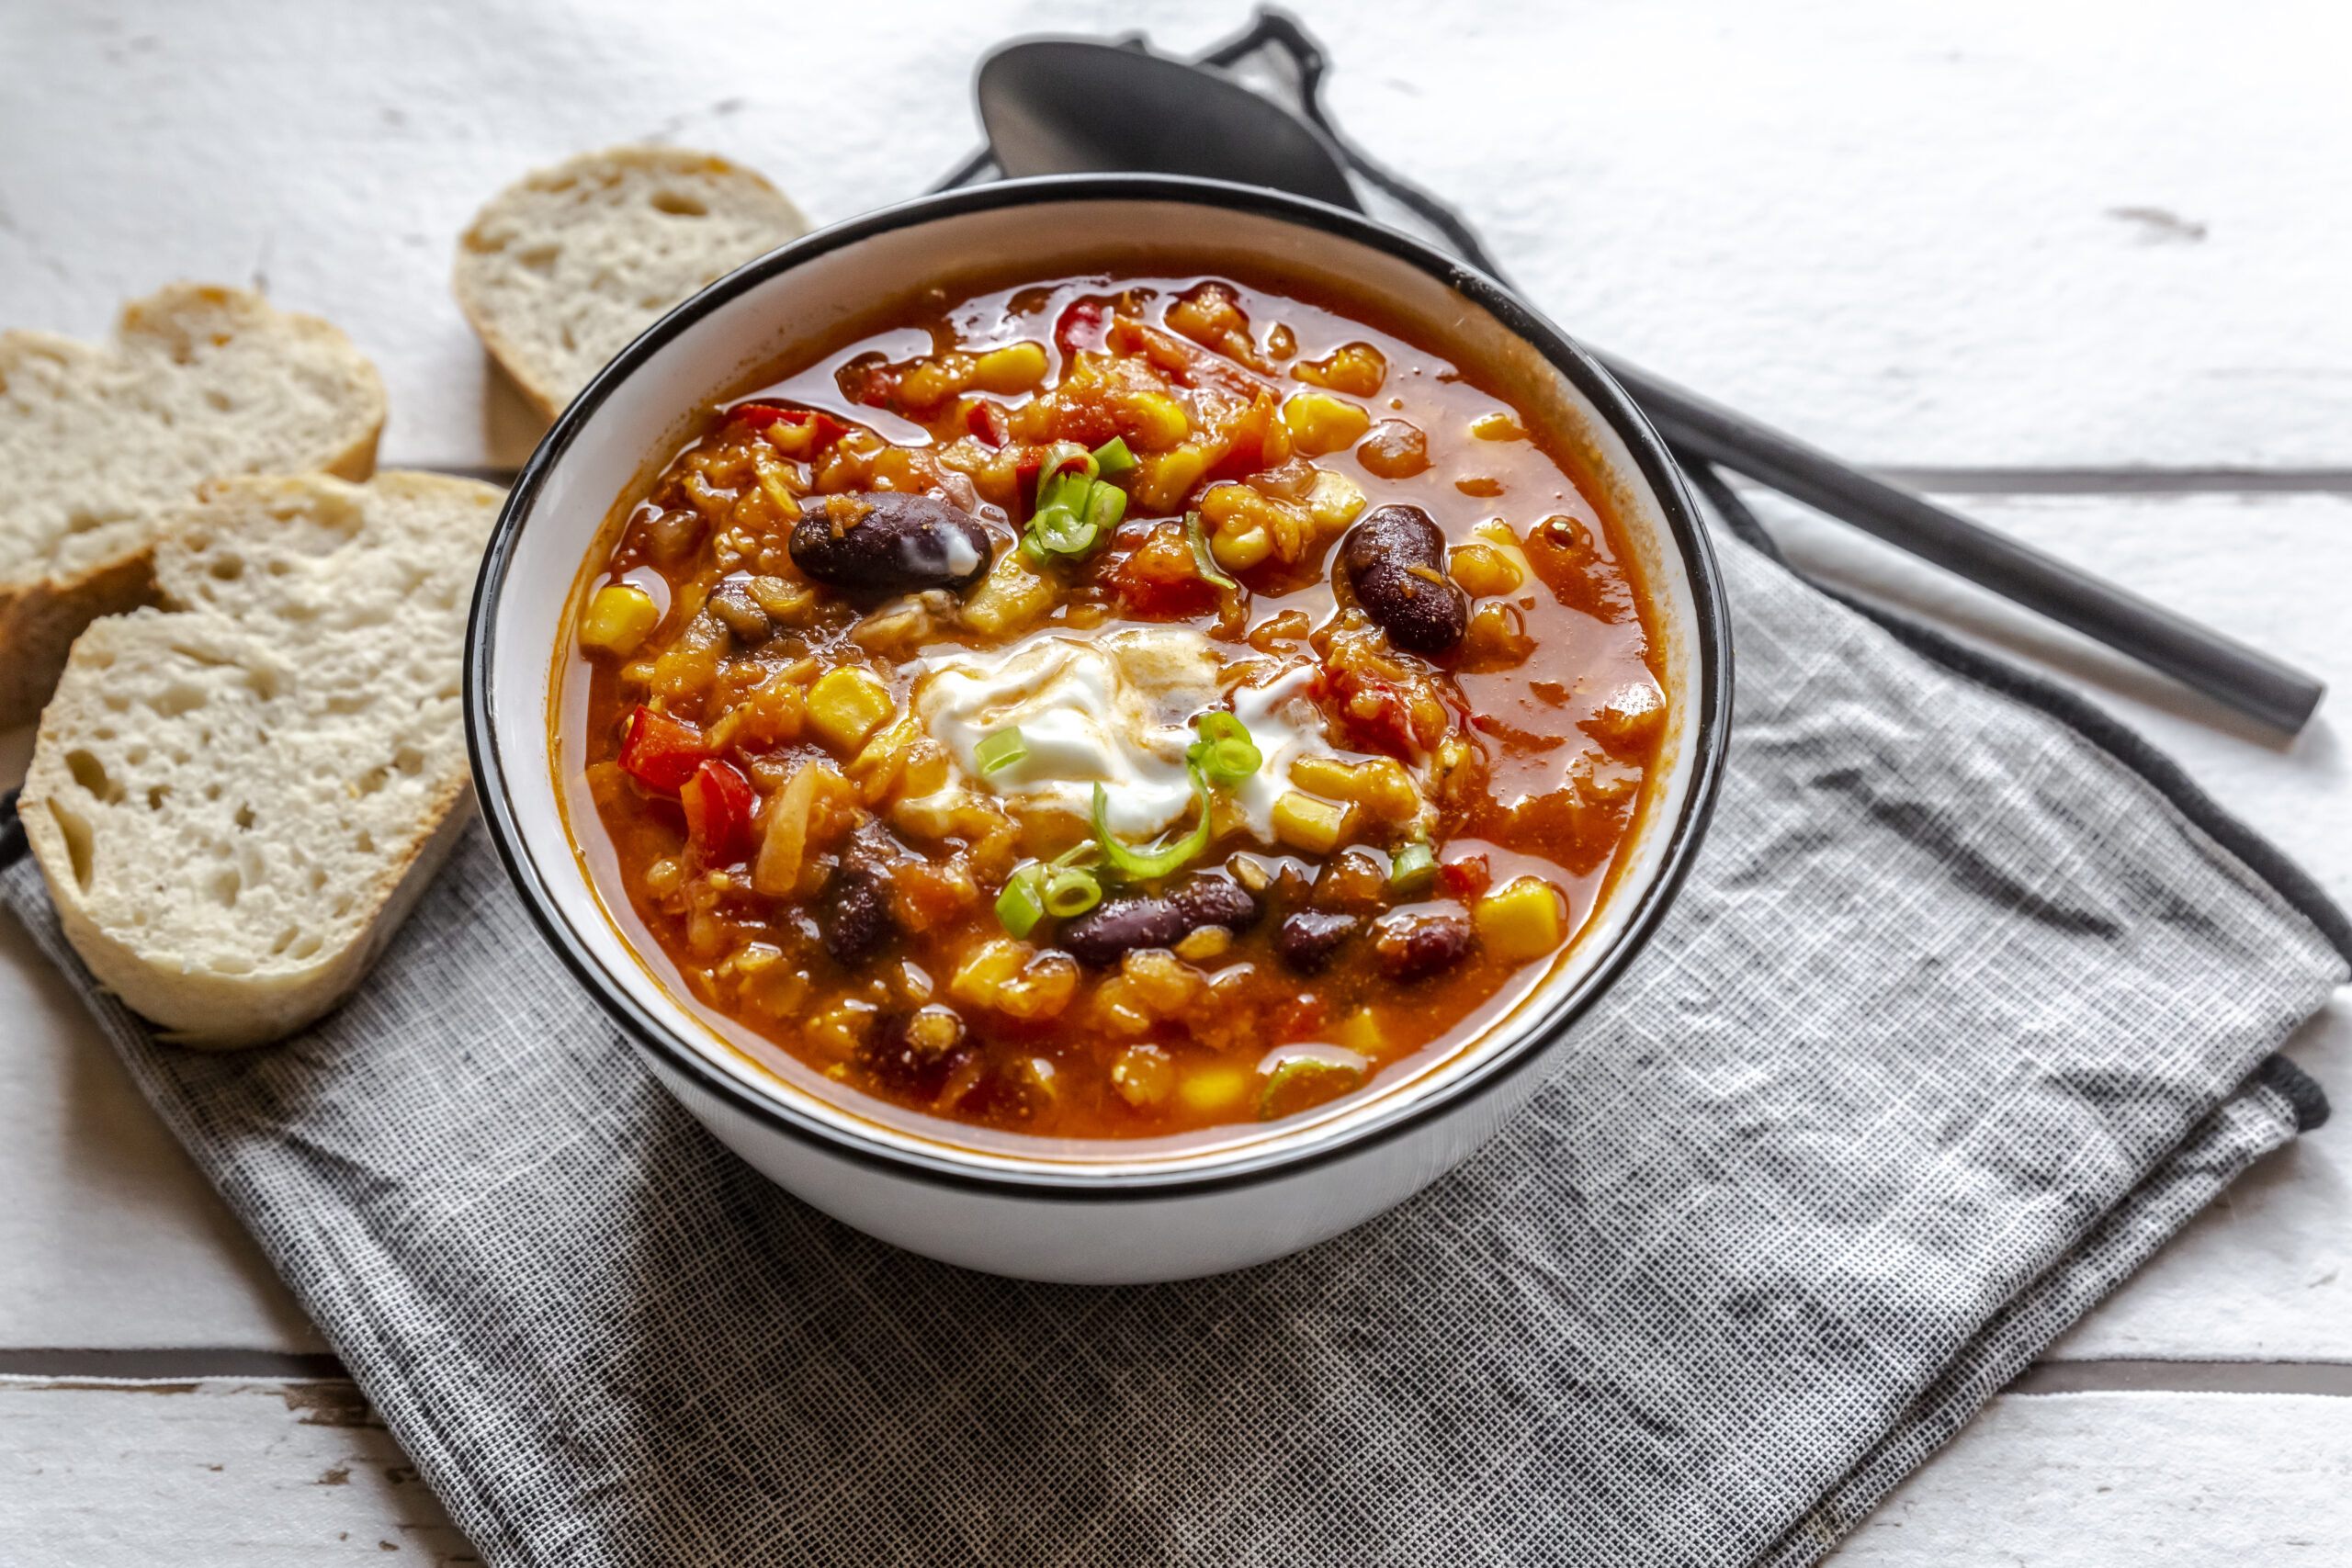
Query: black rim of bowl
column 1238, row 1166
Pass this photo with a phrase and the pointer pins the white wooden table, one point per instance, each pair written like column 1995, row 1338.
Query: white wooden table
column 2083, row 268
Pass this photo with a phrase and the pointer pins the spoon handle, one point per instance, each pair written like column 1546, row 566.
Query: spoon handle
column 2223, row 667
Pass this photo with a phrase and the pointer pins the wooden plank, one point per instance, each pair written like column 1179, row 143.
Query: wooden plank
column 2069, row 1481
column 301, row 1472
column 1957, row 232
column 94, row 1475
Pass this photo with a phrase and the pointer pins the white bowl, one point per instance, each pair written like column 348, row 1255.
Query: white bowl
column 1102, row 1212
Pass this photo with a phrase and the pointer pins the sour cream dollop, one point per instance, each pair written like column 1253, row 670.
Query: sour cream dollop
column 1115, row 709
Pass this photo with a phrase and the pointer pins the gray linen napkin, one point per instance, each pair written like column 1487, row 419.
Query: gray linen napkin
column 1958, row 1020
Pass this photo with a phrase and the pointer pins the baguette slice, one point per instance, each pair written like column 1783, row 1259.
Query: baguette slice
column 235, row 801
column 560, row 271
column 98, row 442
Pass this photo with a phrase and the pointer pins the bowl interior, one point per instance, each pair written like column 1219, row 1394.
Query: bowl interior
column 814, row 294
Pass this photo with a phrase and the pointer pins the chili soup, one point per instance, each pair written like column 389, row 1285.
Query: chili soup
column 1109, row 707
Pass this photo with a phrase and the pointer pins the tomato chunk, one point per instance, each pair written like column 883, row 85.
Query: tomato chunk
column 718, row 802
column 659, row 753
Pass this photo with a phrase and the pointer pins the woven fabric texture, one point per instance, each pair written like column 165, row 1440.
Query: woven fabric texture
column 1957, row 1021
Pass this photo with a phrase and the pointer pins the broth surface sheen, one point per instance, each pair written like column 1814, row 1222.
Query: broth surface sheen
column 1116, row 707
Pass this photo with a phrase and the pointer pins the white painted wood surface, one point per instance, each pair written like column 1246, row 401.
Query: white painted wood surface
column 1993, row 235
column 208, row 1474
column 2002, row 231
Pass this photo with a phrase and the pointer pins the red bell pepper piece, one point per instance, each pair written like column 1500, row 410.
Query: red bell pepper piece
column 988, row 425
column 659, row 753
column 1078, row 326
column 718, row 802
column 1466, row 878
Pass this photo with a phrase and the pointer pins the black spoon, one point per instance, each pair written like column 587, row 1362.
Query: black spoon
column 1070, row 106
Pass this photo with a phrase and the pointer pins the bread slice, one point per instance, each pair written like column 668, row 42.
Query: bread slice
column 96, row 441
column 559, row 272
column 236, row 800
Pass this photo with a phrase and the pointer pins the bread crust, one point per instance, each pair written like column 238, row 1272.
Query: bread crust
column 224, row 986
column 476, row 275
column 41, row 615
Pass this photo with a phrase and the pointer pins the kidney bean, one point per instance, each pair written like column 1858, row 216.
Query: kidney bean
column 1115, row 927
column 855, row 919
column 1412, row 946
column 671, row 536
column 1214, row 900
column 1106, row 933
column 885, row 542
column 733, row 606
column 1310, row 939
column 913, row 1053
column 1394, row 560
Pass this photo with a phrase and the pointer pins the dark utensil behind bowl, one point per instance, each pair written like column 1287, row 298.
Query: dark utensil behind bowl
column 1095, row 1215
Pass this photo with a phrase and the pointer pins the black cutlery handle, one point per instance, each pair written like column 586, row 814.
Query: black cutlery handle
column 2223, row 667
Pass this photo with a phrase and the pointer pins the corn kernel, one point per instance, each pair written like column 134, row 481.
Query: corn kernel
column 1118, row 1006
column 934, row 380
column 619, row 619
column 1306, row 823
column 1153, row 421
column 1042, row 989
column 933, row 1031
column 1357, row 369
column 1203, row 944
column 1164, row 983
column 1362, row 1033
column 1163, row 478
column 1333, row 502
column 1143, row 1075
column 685, row 673
column 1320, row 422
column 1520, row 920
column 1015, row 367
column 1240, row 552
column 1381, row 786
column 1213, row 1089
column 984, row 972
column 846, row 705
column 1009, row 598
column 840, row 1029
column 1484, row 571
column 1497, row 426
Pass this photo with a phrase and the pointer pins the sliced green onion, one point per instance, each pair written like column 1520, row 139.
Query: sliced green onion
column 1224, row 752
column 1019, row 907
column 1106, row 504
column 1145, row 865
column 1412, row 869
column 1072, row 890
column 1000, row 749
column 1204, row 561
column 1113, row 457
column 1064, row 459
column 1315, row 1080
column 1075, row 513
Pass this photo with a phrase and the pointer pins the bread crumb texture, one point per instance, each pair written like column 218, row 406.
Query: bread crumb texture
column 96, row 441
column 235, row 800
column 559, row 272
